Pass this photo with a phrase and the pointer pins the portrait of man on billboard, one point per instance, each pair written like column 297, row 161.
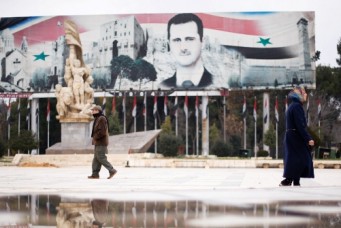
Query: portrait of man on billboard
column 185, row 37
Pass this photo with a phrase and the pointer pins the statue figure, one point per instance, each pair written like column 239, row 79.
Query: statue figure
column 68, row 74
column 88, row 91
column 64, row 97
column 78, row 74
column 75, row 100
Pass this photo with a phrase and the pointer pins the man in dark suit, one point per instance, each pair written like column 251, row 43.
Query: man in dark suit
column 185, row 34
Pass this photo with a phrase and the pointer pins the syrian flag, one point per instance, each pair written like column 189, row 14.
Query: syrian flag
column 319, row 109
column 155, row 107
column 28, row 110
column 186, row 106
column 18, row 108
column 265, row 110
column 260, row 39
column 9, row 110
column 113, row 105
column 144, row 104
column 37, row 114
column 255, row 109
column 244, row 108
column 124, row 103
column 276, row 111
column 133, row 113
column 165, row 105
column 204, row 107
column 267, row 35
column 48, row 110
column 196, row 106
column 104, row 104
column 176, row 105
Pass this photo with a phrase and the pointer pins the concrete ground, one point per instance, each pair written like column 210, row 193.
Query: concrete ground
column 74, row 179
column 227, row 186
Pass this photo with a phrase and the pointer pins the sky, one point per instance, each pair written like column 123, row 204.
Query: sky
column 327, row 13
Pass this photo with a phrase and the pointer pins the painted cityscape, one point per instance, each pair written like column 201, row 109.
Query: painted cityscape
column 240, row 50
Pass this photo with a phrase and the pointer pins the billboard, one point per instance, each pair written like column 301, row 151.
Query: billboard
column 200, row 51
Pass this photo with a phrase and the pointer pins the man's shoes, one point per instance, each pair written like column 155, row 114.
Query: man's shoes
column 112, row 173
column 286, row 182
column 93, row 177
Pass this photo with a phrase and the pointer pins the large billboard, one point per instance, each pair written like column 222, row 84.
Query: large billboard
column 186, row 51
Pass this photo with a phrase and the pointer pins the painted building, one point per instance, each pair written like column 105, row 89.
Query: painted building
column 123, row 36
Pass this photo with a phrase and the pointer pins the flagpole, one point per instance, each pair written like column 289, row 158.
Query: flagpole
column 255, row 139
column 224, row 104
column 319, row 116
column 37, row 125
column 266, row 118
column 176, row 116
column 48, row 134
column 276, row 140
column 319, row 129
column 205, row 126
column 255, row 117
column 48, row 123
column 28, row 115
column 9, row 126
column 197, row 123
column 155, row 121
column 244, row 121
column 186, row 113
column 134, row 112
column 19, row 117
column 145, row 111
column 134, row 123
column 38, row 130
column 155, row 128
column 124, row 112
column 18, row 120
column 9, row 137
column 277, row 120
column 208, row 129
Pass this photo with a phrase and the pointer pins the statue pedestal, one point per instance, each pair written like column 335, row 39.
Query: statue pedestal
column 75, row 134
column 75, row 139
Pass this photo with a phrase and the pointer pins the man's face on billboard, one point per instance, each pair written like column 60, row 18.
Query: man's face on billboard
column 184, row 43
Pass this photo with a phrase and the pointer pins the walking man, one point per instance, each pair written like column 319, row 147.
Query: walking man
column 100, row 139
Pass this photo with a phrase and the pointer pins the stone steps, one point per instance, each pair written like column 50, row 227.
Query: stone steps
column 6, row 161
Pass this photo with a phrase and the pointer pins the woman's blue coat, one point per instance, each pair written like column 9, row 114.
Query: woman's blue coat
column 297, row 155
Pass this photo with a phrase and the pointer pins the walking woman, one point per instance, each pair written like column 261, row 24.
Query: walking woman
column 298, row 160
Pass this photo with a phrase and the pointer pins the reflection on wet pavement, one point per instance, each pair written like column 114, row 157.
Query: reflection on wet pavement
column 62, row 211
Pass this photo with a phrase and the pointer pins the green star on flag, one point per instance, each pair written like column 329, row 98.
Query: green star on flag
column 264, row 41
column 41, row 56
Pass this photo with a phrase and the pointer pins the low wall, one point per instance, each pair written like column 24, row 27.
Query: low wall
column 154, row 160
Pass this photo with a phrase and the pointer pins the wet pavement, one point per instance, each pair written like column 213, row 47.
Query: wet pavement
column 167, row 197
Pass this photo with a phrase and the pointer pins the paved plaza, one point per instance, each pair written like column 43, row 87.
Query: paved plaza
column 74, row 179
column 250, row 190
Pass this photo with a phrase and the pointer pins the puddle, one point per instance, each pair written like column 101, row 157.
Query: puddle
column 62, row 211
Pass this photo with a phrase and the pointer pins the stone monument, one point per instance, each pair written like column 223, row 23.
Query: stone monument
column 75, row 100
column 74, row 103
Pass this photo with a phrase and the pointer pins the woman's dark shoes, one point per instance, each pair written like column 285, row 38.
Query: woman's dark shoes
column 286, row 182
column 297, row 183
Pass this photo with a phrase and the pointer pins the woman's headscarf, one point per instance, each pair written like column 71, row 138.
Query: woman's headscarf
column 297, row 94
